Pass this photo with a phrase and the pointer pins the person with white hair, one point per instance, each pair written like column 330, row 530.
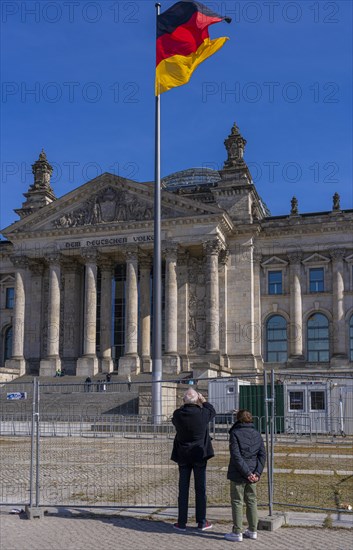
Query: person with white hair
column 191, row 450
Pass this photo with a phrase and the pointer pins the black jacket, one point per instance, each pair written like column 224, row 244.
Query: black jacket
column 192, row 442
column 247, row 452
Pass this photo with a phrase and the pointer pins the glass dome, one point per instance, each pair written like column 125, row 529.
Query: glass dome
column 192, row 177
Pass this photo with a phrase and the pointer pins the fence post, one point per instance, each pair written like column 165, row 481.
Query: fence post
column 37, row 443
column 34, row 389
column 34, row 512
column 272, row 427
column 269, row 441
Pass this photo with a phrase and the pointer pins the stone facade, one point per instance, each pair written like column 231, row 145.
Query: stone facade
column 242, row 290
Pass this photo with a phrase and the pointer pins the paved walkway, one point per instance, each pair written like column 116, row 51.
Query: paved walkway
column 107, row 529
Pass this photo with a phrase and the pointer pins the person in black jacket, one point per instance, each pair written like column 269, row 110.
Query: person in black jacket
column 191, row 450
column 247, row 461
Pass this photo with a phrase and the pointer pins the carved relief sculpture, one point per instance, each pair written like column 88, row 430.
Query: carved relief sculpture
column 110, row 205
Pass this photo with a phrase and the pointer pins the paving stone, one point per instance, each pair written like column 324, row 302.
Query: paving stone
column 66, row 530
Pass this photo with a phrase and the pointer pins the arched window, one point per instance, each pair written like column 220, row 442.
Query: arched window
column 8, row 343
column 318, row 338
column 351, row 338
column 276, row 339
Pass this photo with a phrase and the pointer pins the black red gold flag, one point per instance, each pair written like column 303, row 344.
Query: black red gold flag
column 183, row 42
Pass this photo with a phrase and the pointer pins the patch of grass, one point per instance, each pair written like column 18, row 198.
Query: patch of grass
column 327, row 523
column 311, row 490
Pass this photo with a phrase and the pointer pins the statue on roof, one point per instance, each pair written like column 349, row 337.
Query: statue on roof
column 235, row 145
column 336, row 202
column 294, row 206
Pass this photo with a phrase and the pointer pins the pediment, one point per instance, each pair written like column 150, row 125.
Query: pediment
column 7, row 279
column 274, row 261
column 106, row 200
column 110, row 204
column 316, row 259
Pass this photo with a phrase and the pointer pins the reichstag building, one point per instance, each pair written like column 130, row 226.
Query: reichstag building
column 242, row 290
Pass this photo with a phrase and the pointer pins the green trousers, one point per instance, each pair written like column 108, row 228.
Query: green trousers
column 240, row 493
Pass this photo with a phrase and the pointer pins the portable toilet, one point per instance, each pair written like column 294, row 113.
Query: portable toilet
column 307, row 407
column 223, row 394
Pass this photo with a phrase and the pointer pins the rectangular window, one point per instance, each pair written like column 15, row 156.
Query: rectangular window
column 318, row 356
column 277, row 356
column 275, row 282
column 10, row 297
column 316, row 279
column 296, row 401
column 317, row 401
column 230, row 389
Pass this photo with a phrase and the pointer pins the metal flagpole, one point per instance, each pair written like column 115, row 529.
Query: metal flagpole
column 157, row 272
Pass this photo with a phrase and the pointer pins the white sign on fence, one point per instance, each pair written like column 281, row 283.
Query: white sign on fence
column 17, row 395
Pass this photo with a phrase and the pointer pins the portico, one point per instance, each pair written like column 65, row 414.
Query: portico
column 81, row 320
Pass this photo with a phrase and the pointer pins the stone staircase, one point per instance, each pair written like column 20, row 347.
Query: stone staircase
column 68, row 398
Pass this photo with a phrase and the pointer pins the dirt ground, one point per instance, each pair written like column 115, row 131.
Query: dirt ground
column 134, row 470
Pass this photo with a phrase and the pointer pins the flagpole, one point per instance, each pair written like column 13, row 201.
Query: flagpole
column 157, row 272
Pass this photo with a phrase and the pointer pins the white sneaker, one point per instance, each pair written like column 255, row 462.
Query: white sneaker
column 234, row 537
column 250, row 534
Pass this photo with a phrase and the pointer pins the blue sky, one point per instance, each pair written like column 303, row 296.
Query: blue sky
column 78, row 77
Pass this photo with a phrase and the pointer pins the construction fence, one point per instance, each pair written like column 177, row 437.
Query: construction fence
column 67, row 444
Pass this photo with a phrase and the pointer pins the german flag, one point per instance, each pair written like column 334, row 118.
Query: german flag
column 183, row 42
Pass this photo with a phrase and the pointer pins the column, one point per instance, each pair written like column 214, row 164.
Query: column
column 72, row 322
column 145, row 263
column 106, row 269
column 33, row 318
column 52, row 362
column 338, row 334
column 17, row 360
column 212, row 249
column 223, row 305
column 296, row 313
column 87, row 365
column 183, row 309
column 130, row 363
column 171, row 361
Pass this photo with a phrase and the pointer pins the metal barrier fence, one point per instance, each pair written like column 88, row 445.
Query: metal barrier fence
column 55, row 451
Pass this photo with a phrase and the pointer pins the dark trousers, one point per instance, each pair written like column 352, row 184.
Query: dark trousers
column 199, row 469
